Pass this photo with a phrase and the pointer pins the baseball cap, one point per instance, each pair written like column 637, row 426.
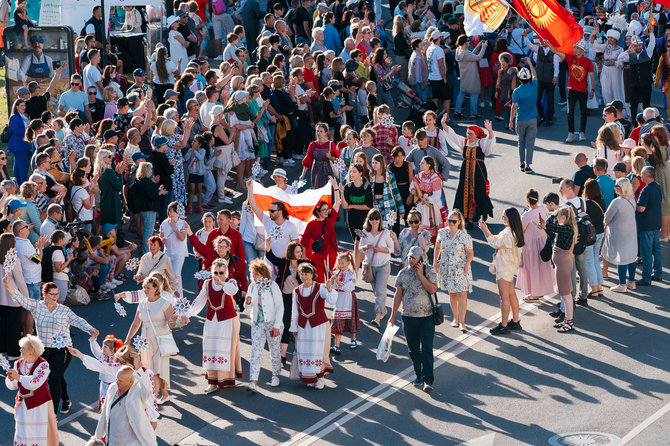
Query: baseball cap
column 334, row 85
column 160, row 141
column 108, row 227
column 15, row 204
column 139, row 156
column 36, row 38
column 240, row 94
column 581, row 45
column 437, row 34
column 279, row 173
column 169, row 93
column 109, row 134
column 459, row 10
column 416, row 252
column 21, row 91
column 628, row 143
column 351, row 66
column 138, row 72
column 616, row 104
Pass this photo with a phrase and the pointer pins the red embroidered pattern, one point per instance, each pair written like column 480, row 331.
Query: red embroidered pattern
column 215, row 359
column 38, row 375
column 316, row 362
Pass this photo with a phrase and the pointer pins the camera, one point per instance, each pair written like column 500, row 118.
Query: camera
column 74, row 228
column 56, row 64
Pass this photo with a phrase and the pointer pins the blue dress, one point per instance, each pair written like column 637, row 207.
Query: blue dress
column 19, row 147
column 178, row 180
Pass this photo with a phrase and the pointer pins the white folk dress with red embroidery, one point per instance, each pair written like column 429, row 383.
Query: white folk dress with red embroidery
column 31, row 424
column 310, row 345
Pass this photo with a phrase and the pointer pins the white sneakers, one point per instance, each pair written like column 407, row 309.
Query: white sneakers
column 251, row 386
column 275, row 381
column 571, row 138
column 320, row 384
column 211, row 388
column 582, row 136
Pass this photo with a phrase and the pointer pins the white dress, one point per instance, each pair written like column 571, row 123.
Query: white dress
column 31, row 425
column 177, row 50
column 151, row 357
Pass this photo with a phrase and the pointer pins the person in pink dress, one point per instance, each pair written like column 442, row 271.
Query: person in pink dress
column 535, row 278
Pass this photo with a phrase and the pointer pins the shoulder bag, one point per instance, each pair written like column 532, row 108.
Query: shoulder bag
column 368, row 274
column 317, row 244
column 166, row 344
column 438, row 311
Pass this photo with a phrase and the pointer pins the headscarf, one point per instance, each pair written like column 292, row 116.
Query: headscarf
column 479, row 132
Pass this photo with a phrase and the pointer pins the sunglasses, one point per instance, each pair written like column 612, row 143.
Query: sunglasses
column 413, row 222
column 453, row 222
column 272, row 210
column 3, row 158
column 219, row 273
column 91, row 93
column 75, row 85
column 374, row 218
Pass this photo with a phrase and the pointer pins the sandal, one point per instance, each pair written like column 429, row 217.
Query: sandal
column 335, row 350
column 353, row 344
column 567, row 326
column 531, row 299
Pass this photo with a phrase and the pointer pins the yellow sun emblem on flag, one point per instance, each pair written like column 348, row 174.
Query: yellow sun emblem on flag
column 539, row 11
column 491, row 12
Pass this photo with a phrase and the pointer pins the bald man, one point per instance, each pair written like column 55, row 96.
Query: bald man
column 123, row 419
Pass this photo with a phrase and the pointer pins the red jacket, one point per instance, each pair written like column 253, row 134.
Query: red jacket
column 235, row 237
column 313, row 232
column 237, row 268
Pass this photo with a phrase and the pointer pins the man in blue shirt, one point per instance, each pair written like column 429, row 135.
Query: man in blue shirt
column 605, row 182
column 648, row 217
column 524, row 110
column 331, row 38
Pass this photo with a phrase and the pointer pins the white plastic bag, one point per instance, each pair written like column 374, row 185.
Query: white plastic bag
column 384, row 347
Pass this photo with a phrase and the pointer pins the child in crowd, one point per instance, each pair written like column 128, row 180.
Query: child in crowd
column 105, row 355
column 21, row 25
column 371, row 88
column 345, row 315
column 407, row 140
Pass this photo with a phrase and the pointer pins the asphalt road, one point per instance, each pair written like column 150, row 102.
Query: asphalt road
column 610, row 375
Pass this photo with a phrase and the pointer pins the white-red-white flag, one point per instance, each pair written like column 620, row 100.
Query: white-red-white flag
column 299, row 206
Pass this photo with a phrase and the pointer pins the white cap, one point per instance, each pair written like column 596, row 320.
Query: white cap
column 581, row 45
column 436, row 35
column 524, row 74
column 279, row 173
column 628, row 143
column 613, row 33
column 634, row 40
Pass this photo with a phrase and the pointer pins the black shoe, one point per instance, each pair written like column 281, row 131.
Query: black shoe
column 499, row 330
column 582, row 302
column 522, row 167
column 283, row 360
column 469, row 225
column 514, row 325
column 643, row 283
column 657, row 279
column 560, row 318
column 556, row 313
column 529, row 169
column 458, row 115
column 65, row 407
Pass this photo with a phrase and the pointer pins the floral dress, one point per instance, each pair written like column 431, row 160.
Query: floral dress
column 72, row 142
column 433, row 212
column 452, row 261
column 178, row 181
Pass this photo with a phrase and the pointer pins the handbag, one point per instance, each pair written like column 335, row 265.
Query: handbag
column 546, row 252
column 294, row 373
column 438, row 311
column 368, row 273
column 166, row 344
column 317, row 244
column 262, row 134
column 259, row 244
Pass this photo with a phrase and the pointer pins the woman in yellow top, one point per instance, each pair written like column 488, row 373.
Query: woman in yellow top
column 506, row 261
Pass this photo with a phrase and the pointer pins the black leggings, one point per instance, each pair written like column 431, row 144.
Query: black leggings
column 288, row 309
column 59, row 360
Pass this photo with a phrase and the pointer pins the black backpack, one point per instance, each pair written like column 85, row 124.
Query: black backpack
column 6, row 134
column 134, row 197
column 586, row 231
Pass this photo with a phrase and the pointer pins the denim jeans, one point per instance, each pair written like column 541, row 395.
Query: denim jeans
column 419, row 334
column 593, row 268
column 34, row 291
column 474, row 102
column 650, row 245
column 621, row 269
column 210, row 188
column 421, row 93
column 251, row 253
column 148, row 223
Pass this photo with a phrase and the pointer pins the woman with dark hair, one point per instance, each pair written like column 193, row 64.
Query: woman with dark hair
column 404, row 175
column 75, row 141
column 385, row 72
column 288, row 280
column 17, row 144
column 10, row 311
column 386, row 196
column 319, row 238
column 109, row 80
column 427, row 191
column 165, row 71
column 468, row 64
column 4, row 172
column 310, row 326
column 595, row 208
column 377, row 244
column 184, row 92
column 320, row 153
column 52, row 320
column 357, row 199
column 662, row 176
column 506, row 262
column 401, row 47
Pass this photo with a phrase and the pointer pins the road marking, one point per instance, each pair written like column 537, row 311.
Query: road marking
column 485, row 440
column 79, row 413
column 645, row 424
column 394, row 383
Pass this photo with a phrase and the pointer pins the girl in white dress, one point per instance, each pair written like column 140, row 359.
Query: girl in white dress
column 177, row 44
column 173, row 231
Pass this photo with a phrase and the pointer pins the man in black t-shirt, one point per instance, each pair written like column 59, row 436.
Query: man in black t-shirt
column 37, row 104
column 302, row 24
column 95, row 106
column 584, row 173
column 185, row 30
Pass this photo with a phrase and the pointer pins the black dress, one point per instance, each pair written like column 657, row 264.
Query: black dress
column 472, row 197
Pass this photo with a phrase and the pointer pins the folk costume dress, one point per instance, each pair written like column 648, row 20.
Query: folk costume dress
column 431, row 207
column 611, row 78
column 221, row 333
column 105, row 378
column 33, row 406
column 345, row 315
column 267, row 313
column 154, row 324
column 309, row 320
column 472, row 194
column 316, row 158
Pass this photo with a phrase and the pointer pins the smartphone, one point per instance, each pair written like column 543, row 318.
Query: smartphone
column 56, row 64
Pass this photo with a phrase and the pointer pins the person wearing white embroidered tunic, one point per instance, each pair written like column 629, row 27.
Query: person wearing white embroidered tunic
column 221, row 332
column 267, row 312
column 310, row 326
column 611, row 78
column 155, row 316
column 35, row 420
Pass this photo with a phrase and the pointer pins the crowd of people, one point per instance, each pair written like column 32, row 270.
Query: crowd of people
column 319, row 86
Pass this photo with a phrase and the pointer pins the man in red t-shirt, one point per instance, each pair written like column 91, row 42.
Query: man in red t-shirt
column 580, row 71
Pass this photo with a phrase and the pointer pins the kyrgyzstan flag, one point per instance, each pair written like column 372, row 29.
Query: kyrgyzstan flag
column 551, row 22
column 299, row 206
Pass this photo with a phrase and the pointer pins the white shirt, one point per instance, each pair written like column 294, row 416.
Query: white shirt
column 434, row 54
column 386, row 241
column 91, row 75
column 204, row 113
column 78, row 195
column 299, row 92
column 120, row 431
column 173, row 246
column 280, row 235
column 32, row 271
column 58, row 256
column 170, row 66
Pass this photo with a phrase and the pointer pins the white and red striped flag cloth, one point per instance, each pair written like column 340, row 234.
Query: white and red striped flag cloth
column 299, row 206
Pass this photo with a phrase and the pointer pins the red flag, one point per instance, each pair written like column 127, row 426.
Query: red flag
column 551, row 22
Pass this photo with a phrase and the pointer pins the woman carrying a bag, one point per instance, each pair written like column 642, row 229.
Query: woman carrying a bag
column 377, row 244
column 156, row 317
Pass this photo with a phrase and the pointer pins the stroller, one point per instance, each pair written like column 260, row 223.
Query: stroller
column 407, row 97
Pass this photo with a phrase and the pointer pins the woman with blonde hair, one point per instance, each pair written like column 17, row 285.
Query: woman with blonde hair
column 34, row 414
column 174, row 145
column 662, row 176
column 236, row 84
column 109, row 96
column 562, row 228
column 226, row 157
column 267, row 313
column 620, row 244
column 110, row 182
column 608, row 145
